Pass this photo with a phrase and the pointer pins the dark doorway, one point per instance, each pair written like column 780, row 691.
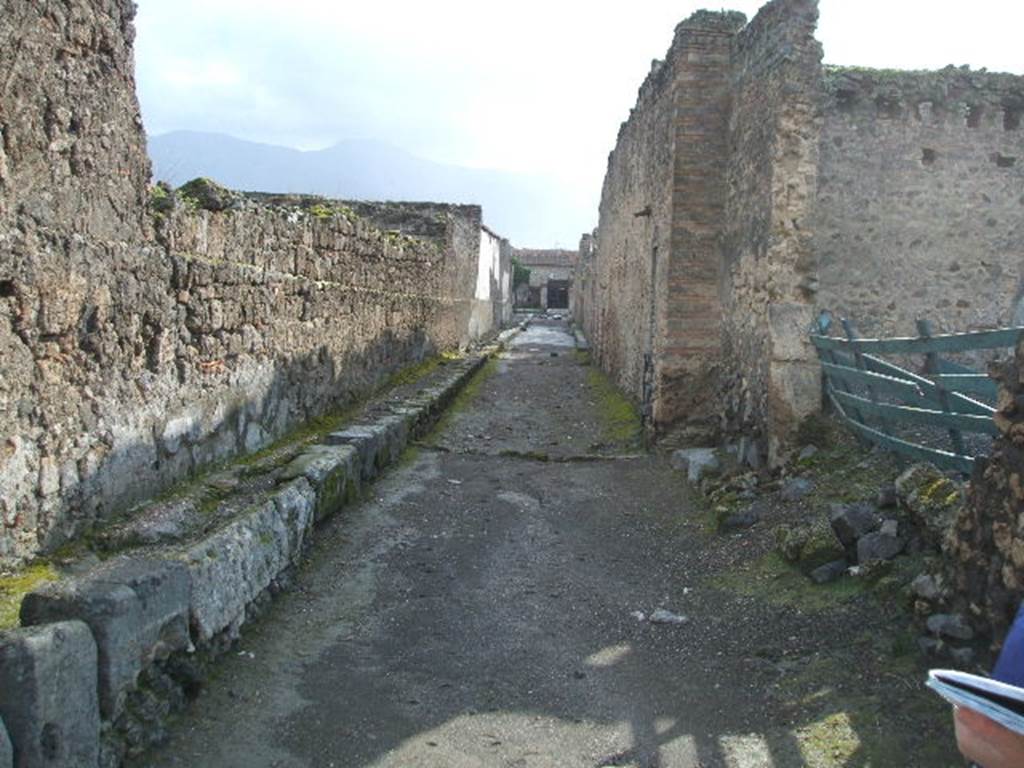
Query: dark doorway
column 558, row 294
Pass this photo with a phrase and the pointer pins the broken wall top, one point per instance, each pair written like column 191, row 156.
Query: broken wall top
column 73, row 152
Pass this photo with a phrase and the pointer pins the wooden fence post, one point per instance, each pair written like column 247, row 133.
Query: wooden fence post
column 932, row 366
column 858, row 358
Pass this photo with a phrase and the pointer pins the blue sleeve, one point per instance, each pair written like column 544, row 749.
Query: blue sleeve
column 1010, row 666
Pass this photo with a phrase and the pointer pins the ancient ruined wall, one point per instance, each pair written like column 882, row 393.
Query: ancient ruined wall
column 879, row 196
column 72, row 189
column 134, row 355
column 985, row 547
column 689, row 334
column 634, row 228
column 457, row 232
column 919, row 211
column 770, row 378
column 72, row 157
column 583, row 285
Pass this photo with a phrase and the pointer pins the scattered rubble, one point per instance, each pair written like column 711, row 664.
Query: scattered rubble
column 951, row 626
column 697, row 463
column 837, row 521
column 796, row 489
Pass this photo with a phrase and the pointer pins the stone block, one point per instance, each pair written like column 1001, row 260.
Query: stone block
column 828, row 572
column 334, row 473
column 396, row 430
column 50, row 704
column 795, row 391
column 950, row 625
column 926, row 587
column 230, row 568
column 296, row 503
column 137, row 610
column 789, row 325
column 367, row 439
column 795, row 489
column 696, row 462
column 932, row 499
column 878, row 546
column 851, row 521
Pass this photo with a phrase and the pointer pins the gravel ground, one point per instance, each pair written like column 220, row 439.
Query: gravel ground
column 482, row 608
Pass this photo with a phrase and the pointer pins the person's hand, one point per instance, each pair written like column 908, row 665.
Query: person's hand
column 986, row 742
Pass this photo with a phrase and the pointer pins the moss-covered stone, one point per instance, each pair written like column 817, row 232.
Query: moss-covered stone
column 208, row 195
column 808, row 545
column 162, row 199
column 15, row 586
column 931, row 498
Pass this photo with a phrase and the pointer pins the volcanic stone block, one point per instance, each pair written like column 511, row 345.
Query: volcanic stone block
column 332, row 470
column 50, row 704
column 695, row 462
column 878, row 546
column 368, row 439
column 396, row 432
column 949, row 625
column 230, row 568
column 137, row 610
column 851, row 521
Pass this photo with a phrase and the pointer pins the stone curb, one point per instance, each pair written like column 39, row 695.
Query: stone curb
column 139, row 608
column 49, row 701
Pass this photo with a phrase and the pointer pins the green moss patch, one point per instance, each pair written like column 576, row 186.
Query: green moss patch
column 772, row 580
column 14, row 587
column 620, row 421
column 887, row 721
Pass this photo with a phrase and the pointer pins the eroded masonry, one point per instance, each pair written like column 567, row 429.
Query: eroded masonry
column 753, row 189
column 139, row 348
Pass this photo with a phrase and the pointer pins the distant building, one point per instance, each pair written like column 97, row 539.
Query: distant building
column 551, row 273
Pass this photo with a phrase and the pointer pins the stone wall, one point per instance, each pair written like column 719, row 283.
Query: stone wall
column 770, row 376
column 919, row 209
column 985, row 548
column 623, row 272
column 879, row 196
column 73, row 173
column 137, row 348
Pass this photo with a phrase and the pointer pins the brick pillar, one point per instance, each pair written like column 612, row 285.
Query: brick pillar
column 689, row 335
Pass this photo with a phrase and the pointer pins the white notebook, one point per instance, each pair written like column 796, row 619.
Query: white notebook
column 997, row 701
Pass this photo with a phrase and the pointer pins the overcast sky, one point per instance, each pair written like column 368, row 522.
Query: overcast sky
column 537, row 86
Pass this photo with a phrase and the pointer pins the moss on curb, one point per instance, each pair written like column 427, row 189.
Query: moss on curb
column 14, row 587
column 621, row 421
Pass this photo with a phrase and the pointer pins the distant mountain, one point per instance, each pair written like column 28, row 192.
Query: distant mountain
column 527, row 210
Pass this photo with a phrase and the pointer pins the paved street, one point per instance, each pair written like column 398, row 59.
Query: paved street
column 478, row 610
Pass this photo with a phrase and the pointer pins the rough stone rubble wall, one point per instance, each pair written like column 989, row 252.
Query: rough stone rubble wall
column 985, row 547
column 920, row 203
column 882, row 197
column 623, row 272
column 770, row 379
column 133, row 357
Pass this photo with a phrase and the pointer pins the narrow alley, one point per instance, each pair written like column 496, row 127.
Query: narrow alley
column 483, row 608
